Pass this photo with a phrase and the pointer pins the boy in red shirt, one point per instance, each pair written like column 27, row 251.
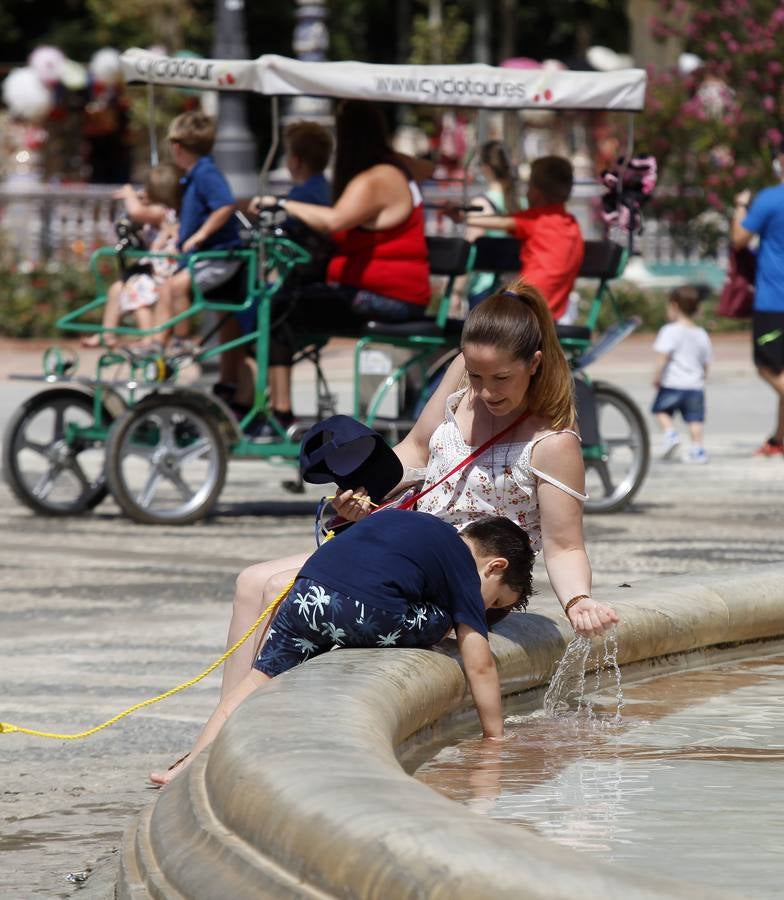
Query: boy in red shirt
column 552, row 247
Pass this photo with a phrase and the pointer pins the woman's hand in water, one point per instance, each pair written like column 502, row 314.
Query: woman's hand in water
column 353, row 505
column 589, row 617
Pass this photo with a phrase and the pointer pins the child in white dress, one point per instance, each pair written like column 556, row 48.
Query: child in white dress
column 155, row 209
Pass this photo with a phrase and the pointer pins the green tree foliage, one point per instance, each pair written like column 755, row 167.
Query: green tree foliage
column 442, row 42
column 712, row 130
column 176, row 24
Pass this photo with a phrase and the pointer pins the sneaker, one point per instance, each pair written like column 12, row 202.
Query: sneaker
column 697, row 455
column 269, row 432
column 224, row 390
column 182, row 347
column 771, row 447
column 670, row 443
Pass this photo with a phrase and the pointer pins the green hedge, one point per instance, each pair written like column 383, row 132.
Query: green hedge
column 31, row 301
column 651, row 306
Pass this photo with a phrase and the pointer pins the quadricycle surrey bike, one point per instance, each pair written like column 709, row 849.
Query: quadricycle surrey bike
column 161, row 447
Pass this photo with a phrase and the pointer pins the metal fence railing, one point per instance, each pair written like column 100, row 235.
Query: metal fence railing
column 44, row 223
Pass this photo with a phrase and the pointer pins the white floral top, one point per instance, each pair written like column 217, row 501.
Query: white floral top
column 500, row 482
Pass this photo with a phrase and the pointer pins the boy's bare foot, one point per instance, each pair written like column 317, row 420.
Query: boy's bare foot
column 147, row 348
column 99, row 340
column 162, row 778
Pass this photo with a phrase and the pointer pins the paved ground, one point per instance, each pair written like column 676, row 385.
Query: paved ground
column 97, row 613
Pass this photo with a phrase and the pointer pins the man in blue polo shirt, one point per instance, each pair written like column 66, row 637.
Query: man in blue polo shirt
column 397, row 578
column 765, row 217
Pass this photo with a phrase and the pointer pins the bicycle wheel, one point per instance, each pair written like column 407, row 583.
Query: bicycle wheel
column 48, row 465
column 166, row 461
column 614, row 475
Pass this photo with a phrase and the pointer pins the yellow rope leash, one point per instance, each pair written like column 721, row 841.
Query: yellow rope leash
column 8, row 728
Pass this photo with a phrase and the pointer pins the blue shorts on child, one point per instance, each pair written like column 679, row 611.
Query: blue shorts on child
column 314, row 619
column 689, row 403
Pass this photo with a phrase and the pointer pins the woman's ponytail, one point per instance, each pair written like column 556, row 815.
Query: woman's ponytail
column 552, row 391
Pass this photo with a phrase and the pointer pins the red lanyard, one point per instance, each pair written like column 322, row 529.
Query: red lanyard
column 412, row 501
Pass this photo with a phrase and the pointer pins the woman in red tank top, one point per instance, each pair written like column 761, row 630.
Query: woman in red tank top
column 379, row 270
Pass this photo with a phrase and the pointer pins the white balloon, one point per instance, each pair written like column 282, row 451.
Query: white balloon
column 604, row 59
column 74, row 75
column 688, row 63
column 48, row 63
column 105, row 66
column 25, row 95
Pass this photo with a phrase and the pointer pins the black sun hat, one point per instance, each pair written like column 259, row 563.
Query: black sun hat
column 344, row 451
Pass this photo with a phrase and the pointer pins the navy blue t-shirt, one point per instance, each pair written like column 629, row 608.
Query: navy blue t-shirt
column 397, row 557
column 315, row 189
column 205, row 190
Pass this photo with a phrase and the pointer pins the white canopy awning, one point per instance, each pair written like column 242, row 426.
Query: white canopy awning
column 463, row 85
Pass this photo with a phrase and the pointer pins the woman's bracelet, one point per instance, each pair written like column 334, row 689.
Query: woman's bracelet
column 574, row 600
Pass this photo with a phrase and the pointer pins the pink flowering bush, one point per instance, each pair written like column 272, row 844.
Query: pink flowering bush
column 713, row 130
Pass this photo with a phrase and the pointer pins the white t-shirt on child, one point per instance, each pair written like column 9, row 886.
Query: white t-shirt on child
column 689, row 350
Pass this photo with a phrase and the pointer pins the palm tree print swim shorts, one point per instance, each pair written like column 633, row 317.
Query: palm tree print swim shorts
column 314, row 619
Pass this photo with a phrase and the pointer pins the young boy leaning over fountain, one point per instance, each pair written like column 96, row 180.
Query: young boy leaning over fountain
column 395, row 579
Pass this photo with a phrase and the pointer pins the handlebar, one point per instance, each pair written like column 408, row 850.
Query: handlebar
column 454, row 207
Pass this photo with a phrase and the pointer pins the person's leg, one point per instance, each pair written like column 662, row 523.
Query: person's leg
column 173, row 298
column 245, row 394
column 310, row 621
column 256, row 587
column 365, row 305
column 664, row 406
column 231, row 361
column 776, row 381
column 695, row 433
column 281, row 353
column 226, row 706
column 280, row 388
column 693, row 410
column 181, row 300
column 145, row 318
column 768, row 352
column 112, row 316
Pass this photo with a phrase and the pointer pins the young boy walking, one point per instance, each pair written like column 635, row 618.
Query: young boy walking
column 395, row 579
column 683, row 354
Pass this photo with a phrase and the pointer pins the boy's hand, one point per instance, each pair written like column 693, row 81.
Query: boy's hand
column 589, row 617
column 483, row 681
column 743, row 198
column 127, row 190
column 353, row 505
column 193, row 242
column 453, row 212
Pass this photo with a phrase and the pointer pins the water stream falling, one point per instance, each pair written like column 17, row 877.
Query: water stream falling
column 567, row 690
